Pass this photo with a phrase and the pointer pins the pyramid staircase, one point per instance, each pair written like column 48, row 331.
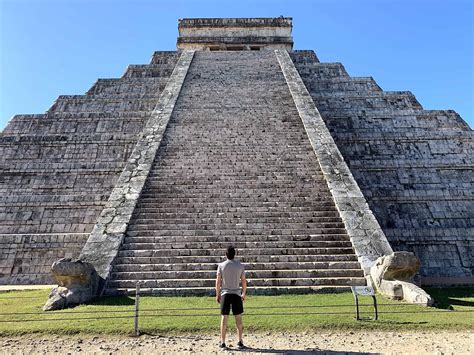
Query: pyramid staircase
column 235, row 167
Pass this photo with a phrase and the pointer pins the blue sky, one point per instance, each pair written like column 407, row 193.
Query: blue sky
column 54, row 47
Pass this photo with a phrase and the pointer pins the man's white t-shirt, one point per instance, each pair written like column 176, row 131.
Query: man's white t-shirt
column 231, row 271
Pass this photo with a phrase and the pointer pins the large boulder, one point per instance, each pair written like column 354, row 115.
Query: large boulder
column 393, row 276
column 78, row 282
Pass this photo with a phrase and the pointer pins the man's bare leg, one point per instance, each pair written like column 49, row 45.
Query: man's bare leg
column 240, row 326
column 223, row 327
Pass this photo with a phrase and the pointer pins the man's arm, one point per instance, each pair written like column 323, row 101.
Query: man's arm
column 244, row 285
column 218, row 287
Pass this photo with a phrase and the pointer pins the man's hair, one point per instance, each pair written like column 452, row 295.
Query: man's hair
column 230, row 253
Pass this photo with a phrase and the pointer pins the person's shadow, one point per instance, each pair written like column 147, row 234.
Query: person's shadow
column 291, row 351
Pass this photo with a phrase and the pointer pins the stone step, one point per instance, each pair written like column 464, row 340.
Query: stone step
column 233, row 238
column 148, row 70
column 242, row 252
column 225, row 182
column 240, row 167
column 282, row 282
column 165, row 57
column 232, row 232
column 316, row 201
column 216, row 189
column 84, row 103
column 319, row 205
column 235, row 215
column 232, row 212
column 123, row 87
column 215, row 194
column 138, row 226
column 225, row 189
column 240, row 245
column 249, row 155
column 210, row 291
column 257, row 197
column 251, row 274
column 225, row 220
column 218, row 258
column 289, row 174
column 333, row 265
column 354, row 111
column 317, row 198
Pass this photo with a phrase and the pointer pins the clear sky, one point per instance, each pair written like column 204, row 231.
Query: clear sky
column 54, row 47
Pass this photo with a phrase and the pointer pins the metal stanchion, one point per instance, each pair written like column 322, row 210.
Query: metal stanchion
column 137, row 309
column 364, row 291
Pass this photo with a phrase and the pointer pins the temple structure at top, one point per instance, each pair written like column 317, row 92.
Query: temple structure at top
column 235, row 34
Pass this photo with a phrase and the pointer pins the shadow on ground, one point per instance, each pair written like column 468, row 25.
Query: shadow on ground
column 446, row 298
column 291, row 351
column 112, row 301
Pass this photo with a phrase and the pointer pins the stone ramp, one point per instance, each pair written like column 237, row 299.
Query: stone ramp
column 57, row 169
column 414, row 166
column 235, row 166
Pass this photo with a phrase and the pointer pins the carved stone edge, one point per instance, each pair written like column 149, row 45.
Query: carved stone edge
column 109, row 231
column 365, row 233
column 393, row 275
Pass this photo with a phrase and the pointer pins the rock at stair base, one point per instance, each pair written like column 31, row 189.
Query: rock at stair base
column 393, row 277
column 77, row 283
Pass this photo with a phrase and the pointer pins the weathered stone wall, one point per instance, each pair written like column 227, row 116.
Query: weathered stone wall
column 414, row 166
column 27, row 258
column 58, row 169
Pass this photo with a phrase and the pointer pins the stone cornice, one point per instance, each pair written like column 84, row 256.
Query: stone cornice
column 236, row 22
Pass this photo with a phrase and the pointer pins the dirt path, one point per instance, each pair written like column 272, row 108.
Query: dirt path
column 303, row 343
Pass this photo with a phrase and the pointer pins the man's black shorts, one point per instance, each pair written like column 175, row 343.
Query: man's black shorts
column 231, row 300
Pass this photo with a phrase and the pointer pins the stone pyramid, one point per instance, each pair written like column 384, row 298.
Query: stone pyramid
column 235, row 138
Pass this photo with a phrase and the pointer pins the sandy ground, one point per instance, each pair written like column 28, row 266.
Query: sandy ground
column 302, row 343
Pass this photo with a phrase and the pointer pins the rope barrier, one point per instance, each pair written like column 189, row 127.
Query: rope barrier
column 325, row 306
column 290, row 314
column 290, row 307
column 61, row 319
column 187, row 309
column 67, row 312
column 203, row 309
column 215, row 315
column 43, row 298
column 138, row 312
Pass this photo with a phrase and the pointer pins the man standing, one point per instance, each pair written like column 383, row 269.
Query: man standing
column 229, row 275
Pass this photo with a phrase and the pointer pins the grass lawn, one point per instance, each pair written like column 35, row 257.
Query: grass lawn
column 287, row 317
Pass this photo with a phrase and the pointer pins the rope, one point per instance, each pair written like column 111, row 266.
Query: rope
column 61, row 319
column 213, row 315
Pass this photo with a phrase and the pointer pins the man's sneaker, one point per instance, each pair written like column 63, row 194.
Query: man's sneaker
column 223, row 346
column 241, row 345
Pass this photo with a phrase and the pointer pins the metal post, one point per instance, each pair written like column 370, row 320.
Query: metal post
column 357, row 307
column 356, row 301
column 137, row 302
column 375, row 307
